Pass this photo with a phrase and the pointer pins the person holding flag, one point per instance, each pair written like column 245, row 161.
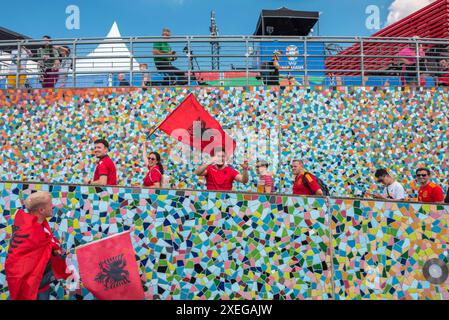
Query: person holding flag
column 219, row 176
column 192, row 125
column 34, row 258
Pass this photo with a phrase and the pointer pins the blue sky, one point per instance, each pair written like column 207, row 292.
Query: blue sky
column 184, row 17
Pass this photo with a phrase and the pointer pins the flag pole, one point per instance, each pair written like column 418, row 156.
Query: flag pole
column 154, row 129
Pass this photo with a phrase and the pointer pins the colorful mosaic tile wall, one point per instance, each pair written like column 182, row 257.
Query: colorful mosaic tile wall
column 343, row 133
column 195, row 245
column 347, row 133
column 380, row 248
column 199, row 245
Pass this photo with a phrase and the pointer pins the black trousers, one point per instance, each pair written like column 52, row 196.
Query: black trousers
column 174, row 75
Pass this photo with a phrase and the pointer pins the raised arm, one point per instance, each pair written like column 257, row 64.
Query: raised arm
column 145, row 155
column 244, row 177
column 202, row 170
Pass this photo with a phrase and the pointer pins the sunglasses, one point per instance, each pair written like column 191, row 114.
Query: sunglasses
column 152, row 158
column 421, row 175
column 380, row 181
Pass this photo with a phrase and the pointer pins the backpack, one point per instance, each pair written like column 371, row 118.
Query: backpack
column 320, row 182
column 446, row 200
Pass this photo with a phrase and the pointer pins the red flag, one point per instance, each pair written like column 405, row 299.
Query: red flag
column 191, row 124
column 32, row 247
column 109, row 270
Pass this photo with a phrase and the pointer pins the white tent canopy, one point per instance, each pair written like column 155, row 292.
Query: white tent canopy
column 117, row 57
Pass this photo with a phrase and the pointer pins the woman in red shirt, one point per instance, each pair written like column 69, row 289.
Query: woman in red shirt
column 153, row 179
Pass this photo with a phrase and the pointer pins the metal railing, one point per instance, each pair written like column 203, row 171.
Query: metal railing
column 243, row 61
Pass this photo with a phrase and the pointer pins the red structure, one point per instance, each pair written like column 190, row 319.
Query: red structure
column 431, row 21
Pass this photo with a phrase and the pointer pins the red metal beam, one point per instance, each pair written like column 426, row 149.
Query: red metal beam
column 431, row 21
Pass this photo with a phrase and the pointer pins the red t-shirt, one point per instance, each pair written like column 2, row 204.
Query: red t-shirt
column 220, row 179
column 430, row 193
column 106, row 167
column 443, row 79
column 300, row 189
column 153, row 176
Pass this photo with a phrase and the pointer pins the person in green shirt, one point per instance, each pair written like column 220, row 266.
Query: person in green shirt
column 163, row 57
column 48, row 63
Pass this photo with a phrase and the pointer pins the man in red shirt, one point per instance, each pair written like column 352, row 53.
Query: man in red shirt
column 299, row 188
column 105, row 173
column 429, row 191
column 35, row 257
column 219, row 176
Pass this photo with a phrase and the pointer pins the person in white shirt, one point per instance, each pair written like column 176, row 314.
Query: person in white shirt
column 393, row 190
column 66, row 66
column 13, row 68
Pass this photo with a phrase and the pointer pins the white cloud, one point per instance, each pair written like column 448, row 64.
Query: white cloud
column 401, row 8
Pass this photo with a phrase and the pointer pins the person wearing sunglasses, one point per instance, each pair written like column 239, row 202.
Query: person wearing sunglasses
column 393, row 190
column 429, row 191
column 265, row 183
column 153, row 179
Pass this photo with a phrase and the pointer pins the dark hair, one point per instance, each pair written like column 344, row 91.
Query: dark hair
column 381, row 173
column 159, row 164
column 103, row 142
column 46, row 37
column 423, row 169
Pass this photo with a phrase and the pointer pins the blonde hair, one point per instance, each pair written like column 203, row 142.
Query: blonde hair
column 37, row 200
column 301, row 162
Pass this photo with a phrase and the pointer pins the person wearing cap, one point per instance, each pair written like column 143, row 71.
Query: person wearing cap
column 163, row 58
column 265, row 183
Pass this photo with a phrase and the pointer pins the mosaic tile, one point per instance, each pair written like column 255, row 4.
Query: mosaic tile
column 193, row 254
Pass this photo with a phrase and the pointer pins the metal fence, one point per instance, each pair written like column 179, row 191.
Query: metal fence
column 224, row 61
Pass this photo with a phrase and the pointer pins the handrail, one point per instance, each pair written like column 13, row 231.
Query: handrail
column 279, row 194
column 350, row 60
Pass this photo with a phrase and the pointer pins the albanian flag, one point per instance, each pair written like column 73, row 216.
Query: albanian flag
column 31, row 249
column 109, row 270
column 191, row 124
